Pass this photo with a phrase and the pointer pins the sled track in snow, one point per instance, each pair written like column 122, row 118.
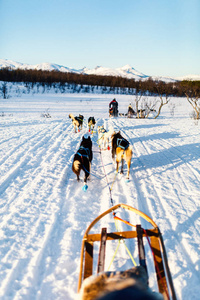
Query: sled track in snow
column 43, row 209
column 32, row 208
column 155, row 200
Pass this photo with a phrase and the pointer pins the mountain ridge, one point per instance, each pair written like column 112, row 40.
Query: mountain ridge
column 126, row 71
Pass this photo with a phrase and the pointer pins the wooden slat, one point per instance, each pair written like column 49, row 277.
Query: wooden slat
column 142, row 258
column 171, row 285
column 102, row 251
column 161, row 279
column 88, row 266
column 119, row 235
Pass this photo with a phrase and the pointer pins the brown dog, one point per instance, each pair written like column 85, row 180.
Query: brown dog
column 122, row 149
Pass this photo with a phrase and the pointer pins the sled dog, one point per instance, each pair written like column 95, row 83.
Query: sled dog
column 82, row 159
column 77, row 122
column 103, row 137
column 91, row 123
column 122, row 149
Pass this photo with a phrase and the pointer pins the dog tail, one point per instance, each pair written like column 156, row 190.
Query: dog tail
column 76, row 167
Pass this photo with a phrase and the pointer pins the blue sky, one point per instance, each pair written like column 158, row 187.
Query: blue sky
column 156, row 37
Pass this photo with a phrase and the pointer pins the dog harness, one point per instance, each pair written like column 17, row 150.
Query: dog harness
column 87, row 151
column 79, row 119
column 122, row 143
column 102, row 130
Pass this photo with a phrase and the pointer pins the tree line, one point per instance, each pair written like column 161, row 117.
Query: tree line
column 144, row 87
column 74, row 82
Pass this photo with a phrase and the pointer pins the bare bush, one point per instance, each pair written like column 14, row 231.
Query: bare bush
column 46, row 114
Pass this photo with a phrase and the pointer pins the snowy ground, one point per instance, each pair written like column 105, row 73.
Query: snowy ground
column 44, row 212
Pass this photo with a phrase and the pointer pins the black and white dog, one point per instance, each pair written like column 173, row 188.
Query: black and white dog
column 82, row 159
column 91, row 123
column 77, row 121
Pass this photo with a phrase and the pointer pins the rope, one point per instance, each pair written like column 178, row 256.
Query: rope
column 126, row 222
column 130, row 254
column 97, row 176
column 99, row 139
column 119, row 219
column 114, row 255
column 101, row 136
column 133, row 261
column 115, row 218
column 88, row 171
column 106, row 179
column 114, row 179
column 110, row 188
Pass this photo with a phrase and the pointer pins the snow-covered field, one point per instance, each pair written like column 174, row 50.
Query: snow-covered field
column 44, row 211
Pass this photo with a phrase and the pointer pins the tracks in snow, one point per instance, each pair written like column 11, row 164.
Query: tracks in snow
column 43, row 209
column 166, row 177
column 32, row 204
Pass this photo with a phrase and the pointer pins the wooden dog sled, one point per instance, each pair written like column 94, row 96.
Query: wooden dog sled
column 153, row 236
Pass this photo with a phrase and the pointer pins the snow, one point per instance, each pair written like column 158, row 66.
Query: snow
column 126, row 71
column 189, row 77
column 44, row 212
column 5, row 63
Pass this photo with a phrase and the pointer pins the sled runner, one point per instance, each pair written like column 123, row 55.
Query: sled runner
column 154, row 241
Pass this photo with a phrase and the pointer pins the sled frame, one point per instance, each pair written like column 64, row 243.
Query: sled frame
column 164, row 279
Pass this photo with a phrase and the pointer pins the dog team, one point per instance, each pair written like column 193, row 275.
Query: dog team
column 121, row 148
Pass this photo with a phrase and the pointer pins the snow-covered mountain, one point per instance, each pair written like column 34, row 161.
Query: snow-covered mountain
column 189, row 77
column 5, row 63
column 126, row 71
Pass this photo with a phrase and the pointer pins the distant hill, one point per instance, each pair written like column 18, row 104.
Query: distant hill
column 126, row 71
column 189, row 77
